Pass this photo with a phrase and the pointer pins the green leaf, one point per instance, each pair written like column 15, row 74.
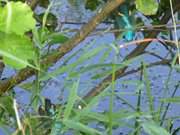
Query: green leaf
column 16, row 17
column 173, row 100
column 80, row 127
column 56, row 38
column 148, row 89
column 6, row 102
column 27, row 86
column 17, row 50
column 69, row 67
column 92, row 4
column 107, row 72
column 94, row 116
column 71, row 100
column 147, row 7
column 94, row 67
column 152, row 128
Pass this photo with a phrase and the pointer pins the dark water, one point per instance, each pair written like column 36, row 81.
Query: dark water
column 157, row 75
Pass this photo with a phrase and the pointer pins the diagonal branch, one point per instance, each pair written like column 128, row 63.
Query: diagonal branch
column 65, row 48
column 87, row 98
column 136, row 52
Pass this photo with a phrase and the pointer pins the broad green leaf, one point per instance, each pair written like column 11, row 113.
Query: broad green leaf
column 147, row 7
column 16, row 50
column 152, row 128
column 16, row 17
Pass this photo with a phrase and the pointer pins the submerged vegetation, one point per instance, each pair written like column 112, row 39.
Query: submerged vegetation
column 116, row 74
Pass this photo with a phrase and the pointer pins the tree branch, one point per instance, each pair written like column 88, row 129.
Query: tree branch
column 106, row 82
column 136, row 52
column 65, row 48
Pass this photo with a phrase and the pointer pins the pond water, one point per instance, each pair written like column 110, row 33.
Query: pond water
column 157, row 75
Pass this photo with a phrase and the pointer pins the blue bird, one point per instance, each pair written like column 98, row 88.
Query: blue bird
column 123, row 21
column 56, row 124
column 121, row 18
column 50, row 110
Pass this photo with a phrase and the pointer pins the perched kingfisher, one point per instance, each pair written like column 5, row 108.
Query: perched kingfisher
column 54, row 126
column 123, row 20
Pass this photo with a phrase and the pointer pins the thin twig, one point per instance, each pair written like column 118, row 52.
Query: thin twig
column 175, row 29
column 20, row 127
column 138, row 42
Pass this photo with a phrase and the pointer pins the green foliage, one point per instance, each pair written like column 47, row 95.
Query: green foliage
column 69, row 67
column 23, row 44
column 44, row 36
column 81, row 127
column 6, row 106
column 17, row 18
column 171, row 100
column 148, row 90
column 71, row 100
column 56, row 38
column 152, row 128
column 92, row 4
column 147, row 7
column 50, row 21
column 16, row 47
column 16, row 50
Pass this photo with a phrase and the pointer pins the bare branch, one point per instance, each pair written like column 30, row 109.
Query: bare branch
column 136, row 52
column 107, row 81
column 65, row 48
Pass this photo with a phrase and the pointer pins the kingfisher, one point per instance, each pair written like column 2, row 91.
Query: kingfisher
column 55, row 125
column 123, row 20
